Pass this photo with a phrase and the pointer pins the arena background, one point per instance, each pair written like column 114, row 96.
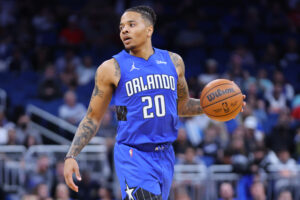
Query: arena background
column 50, row 49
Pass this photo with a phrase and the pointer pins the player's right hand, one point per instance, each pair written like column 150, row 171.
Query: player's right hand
column 71, row 167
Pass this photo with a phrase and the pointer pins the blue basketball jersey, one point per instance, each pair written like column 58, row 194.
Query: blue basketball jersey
column 146, row 99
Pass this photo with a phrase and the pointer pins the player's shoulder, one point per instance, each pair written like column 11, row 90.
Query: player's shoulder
column 109, row 69
column 177, row 61
column 109, row 65
column 175, row 57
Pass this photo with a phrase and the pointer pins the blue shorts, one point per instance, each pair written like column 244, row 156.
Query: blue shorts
column 145, row 172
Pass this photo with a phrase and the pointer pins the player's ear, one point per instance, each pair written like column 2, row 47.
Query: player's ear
column 149, row 31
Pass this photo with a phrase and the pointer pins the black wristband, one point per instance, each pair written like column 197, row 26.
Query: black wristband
column 67, row 157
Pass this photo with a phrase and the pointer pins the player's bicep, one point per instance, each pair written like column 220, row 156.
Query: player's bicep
column 101, row 95
column 182, row 87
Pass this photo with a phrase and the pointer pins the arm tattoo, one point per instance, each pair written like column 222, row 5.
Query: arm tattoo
column 187, row 106
column 86, row 130
column 117, row 68
column 191, row 108
column 177, row 60
column 97, row 91
column 182, row 89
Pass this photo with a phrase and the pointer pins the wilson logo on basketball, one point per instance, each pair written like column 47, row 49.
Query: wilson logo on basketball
column 219, row 93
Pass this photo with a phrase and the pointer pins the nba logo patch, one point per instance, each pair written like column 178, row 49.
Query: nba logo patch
column 130, row 152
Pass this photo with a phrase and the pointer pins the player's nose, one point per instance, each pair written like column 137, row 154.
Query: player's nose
column 124, row 30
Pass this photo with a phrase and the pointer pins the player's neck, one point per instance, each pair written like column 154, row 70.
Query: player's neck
column 144, row 51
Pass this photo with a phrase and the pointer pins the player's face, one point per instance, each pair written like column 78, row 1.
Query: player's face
column 134, row 30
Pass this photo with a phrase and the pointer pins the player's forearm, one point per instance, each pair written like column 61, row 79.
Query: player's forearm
column 86, row 130
column 190, row 107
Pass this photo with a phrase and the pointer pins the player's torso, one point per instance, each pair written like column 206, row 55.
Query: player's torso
column 146, row 99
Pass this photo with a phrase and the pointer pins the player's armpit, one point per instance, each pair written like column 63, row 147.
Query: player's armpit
column 186, row 106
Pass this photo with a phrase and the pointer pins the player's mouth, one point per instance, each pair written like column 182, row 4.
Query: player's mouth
column 126, row 40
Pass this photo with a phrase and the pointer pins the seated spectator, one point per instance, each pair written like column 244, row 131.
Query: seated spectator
column 30, row 141
column 253, row 133
column 277, row 99
column 190, row 157
column 211, row 72
column 72, row 34
column 40, row 58
column 257, row 191
column 49, row 87
column 287, row 89
column 39, row 178
column 24, row 129
column 42, row 192
column 182, row 143
column 11, row 133
column 68, row 57
column 58, row 176
column 247, row 56
column 286, row 164
column 194, row 128
column 62, row 192
column 239, row 154
column 71, row 110
column 258, row 160
column 210, row 144
column 17, row 62
column 235, row 70
column 88, row 186
column 285, row 195
column 189, row 36
column 281, row 136
column 105, row 193
column 265, row 85
column 69, row 77
column 181, row 194
column 226, row 191
column 270, row 54
column 276, row 19
column 86, row 72
column 291, row 54
column 259, row 111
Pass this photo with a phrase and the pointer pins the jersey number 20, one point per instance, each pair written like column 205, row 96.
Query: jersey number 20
column 159, row 103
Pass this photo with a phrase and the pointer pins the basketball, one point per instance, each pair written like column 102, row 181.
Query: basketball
column 221, row 100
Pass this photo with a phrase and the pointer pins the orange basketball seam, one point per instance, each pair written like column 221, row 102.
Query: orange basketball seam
column 224, row 115
column 221, row 100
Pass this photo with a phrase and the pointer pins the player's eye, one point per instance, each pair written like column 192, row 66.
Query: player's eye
column 131, row 24
column 121, row 27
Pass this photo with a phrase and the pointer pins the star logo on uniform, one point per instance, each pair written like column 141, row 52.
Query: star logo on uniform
column 129, row 192
column 133, row 67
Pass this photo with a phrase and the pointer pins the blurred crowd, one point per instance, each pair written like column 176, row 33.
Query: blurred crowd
column 49, row 52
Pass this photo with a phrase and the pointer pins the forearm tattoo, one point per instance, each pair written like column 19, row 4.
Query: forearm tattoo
column 86, row 130
column 186, row 106
column 191, row 108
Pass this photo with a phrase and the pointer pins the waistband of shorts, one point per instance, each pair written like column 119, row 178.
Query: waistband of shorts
column 148, row 147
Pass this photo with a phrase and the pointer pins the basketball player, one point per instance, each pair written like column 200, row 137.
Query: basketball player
column 150, row 93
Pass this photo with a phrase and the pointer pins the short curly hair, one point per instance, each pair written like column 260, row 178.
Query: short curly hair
column 146, row 12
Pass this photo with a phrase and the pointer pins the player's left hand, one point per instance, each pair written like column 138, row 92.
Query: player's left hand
column 244, row 103
column 71, row 167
